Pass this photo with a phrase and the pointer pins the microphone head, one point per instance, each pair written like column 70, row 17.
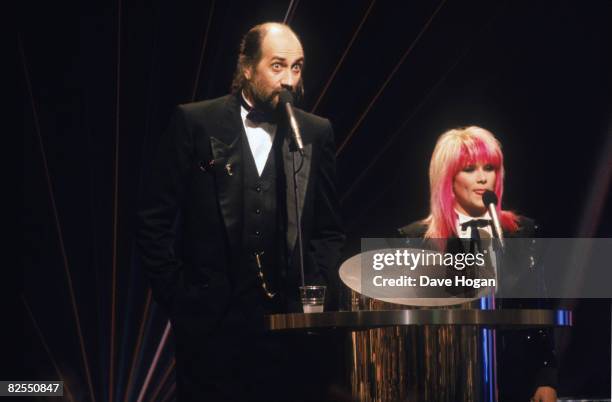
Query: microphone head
column 285, row 96
column 489, row 197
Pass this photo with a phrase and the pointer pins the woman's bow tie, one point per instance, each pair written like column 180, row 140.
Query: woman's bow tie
column 475, row 223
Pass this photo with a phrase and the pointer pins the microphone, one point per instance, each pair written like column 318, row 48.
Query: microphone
column 286, row 99
column 489, row 198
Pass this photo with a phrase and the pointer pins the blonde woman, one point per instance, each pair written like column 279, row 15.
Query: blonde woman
column 465, row 163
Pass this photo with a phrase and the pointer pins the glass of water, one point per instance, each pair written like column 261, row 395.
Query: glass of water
column 313, row 298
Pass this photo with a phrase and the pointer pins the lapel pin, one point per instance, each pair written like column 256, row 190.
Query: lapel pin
column 228, row 169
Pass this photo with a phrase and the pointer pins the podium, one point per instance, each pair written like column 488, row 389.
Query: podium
column 419, row 349
column 436, row 354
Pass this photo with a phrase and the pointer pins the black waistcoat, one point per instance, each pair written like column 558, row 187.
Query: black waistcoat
column 262, row 223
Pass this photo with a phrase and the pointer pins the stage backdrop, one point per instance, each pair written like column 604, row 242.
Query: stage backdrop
column 100, row 80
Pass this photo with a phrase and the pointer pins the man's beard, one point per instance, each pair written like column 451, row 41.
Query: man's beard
column 266, row 102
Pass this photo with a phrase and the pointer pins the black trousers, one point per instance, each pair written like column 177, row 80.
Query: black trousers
column 231, row 366
column 237, row 359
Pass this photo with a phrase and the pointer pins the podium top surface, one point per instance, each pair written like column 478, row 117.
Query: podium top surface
column 350, row 273
column 363, row 320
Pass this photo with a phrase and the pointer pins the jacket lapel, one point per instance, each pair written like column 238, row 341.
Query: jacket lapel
column 226, row 146
column 227, row 153
column 302, row 182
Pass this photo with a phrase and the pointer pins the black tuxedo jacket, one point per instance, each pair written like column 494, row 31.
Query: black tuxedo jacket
column 198, row 172
column 526, row 358
column 519, row 261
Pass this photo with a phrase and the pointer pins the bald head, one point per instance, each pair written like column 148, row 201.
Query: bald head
column 280, row 41
column 278, row 30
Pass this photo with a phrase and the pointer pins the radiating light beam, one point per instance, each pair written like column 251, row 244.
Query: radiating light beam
column 349, row 136
column 290, row 11
column 163, row 380
column 404, row 124
column 143, row 322
column 170, row 392
column 346, row 50
column 204, row 41
column 44, row 343
column 111, row 369
column 160, row 348
column 58, row 226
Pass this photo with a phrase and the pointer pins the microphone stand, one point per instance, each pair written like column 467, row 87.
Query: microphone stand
column 286, row 100
column 296, row 191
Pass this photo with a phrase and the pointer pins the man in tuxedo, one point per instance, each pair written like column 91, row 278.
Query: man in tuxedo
column 222, row 184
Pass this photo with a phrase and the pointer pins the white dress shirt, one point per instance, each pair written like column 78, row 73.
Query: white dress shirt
column 260, row 137
column 467, row 233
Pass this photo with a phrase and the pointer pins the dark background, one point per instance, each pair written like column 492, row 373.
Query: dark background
column 100, row 80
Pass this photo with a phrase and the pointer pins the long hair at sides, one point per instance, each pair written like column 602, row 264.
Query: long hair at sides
column 456, row 149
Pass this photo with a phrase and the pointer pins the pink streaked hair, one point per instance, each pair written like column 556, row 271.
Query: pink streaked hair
column 455, row 150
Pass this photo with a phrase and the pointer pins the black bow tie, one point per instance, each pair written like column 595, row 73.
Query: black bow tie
column 258, row 117
column 475, row 224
